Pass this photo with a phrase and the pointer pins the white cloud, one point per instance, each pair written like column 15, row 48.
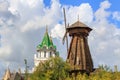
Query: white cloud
column 3, row 6
column 47, row 16
column 105, row 4
column 116, row 15
column 6, row 50
column 1, row 22
column 82, row 11
column 21, row 29
column 101, row 14
column 104, row 39
column 31, row 24
column 117, row 51
column 72, row 14
column 31, row 3
column 58, row 31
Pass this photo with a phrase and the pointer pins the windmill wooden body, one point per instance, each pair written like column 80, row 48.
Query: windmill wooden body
column 79, row 55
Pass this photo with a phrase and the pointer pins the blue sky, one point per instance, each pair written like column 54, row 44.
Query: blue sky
column 23, row 22
column 94, row 3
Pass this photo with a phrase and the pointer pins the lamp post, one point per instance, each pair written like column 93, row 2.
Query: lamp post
column 26, row 69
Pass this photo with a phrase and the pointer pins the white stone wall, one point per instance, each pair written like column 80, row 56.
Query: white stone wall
column 40, row 56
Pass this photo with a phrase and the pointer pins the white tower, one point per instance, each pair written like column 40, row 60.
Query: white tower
column 45, row 50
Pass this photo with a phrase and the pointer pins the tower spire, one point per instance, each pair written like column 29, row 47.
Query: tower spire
column 7, row 74
column 51, row 39
column 46, row 28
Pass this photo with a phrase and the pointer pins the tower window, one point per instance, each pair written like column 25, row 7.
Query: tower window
column 40, row 54
column 50, row 54
column 44, row 53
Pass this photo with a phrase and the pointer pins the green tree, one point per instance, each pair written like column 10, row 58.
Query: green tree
column 58, row 69
column 52, row 69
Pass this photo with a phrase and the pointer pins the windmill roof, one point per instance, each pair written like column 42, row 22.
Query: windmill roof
column 78, row 24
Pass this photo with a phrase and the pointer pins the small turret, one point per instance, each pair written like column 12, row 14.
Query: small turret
column 7, row 75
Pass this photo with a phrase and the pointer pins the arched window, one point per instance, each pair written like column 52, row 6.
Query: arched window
column 51, row 47
column 44, row 48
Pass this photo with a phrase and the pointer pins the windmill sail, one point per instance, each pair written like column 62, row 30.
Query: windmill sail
column 65, row 36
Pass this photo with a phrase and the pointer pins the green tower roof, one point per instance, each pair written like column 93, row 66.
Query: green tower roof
column 47, row 41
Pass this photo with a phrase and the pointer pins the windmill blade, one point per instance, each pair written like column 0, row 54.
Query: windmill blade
column 67, row 39
column 65, row 36
column 64, row 17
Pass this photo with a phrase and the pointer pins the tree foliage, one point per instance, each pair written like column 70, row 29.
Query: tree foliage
column 101, row 73
column 58, row 69
column 52, row 69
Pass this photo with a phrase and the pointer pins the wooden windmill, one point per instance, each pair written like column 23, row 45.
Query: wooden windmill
column 78, row 55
